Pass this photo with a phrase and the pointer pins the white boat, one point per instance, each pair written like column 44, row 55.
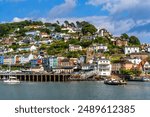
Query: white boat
column 12, row 80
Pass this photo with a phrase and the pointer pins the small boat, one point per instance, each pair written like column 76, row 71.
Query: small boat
column 140, row 79
column 114, row 82
column 144, row 79
column 11, row 80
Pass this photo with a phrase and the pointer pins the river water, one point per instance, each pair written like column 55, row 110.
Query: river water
column 90, row 90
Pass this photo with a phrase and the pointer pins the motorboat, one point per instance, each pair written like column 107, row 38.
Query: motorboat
column 11, row 80
column 114, row 82
column 144, row 79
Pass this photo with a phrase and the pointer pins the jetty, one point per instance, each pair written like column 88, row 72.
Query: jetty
column 38, row 77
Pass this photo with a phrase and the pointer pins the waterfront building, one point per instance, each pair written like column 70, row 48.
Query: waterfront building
column 64, row 69
column 17, row 59
column 148, row 49
column 127, row 65
column 116, row 68
column 33, row 63
column 88, row 67
column 50, row 63
column 146, row 68
column 131, row 49
column 8, row 60
column 26, row 58
column 104, row 67
column 1, row 60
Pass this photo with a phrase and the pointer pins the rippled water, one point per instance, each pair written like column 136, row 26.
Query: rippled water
column 75, row 91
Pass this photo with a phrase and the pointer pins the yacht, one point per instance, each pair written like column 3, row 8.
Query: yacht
column 12, row 80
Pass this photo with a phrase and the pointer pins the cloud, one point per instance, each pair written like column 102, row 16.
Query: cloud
column 62, row 9
column 116, row 27
column 16, row 19
column 143, row 36
column 131, row 8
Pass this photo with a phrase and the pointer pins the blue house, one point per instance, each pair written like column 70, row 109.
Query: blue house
column 1, row 60
column 33, row 63
column 50, row 63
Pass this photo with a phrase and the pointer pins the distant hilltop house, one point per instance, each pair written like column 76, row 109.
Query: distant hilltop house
column 75, row 47
column 98, row 48
column 69, row 29
column 8, row 41
column 103, row 32
column 117, row 41
column 131, row 49
column 34, row 27
column 29, row 48
column 44, row 35
column 33, row 33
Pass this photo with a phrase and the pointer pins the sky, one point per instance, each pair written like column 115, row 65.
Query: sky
column 117, row 16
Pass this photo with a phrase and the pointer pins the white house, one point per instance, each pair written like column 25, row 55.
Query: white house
column 74, row 47
column 104, row 67
column 99, row 47
column 33, row 33
column 70, row 29
column 26, row 58
column 148, row 49
column 135, row 60
column 44, row 35
column 131, row 49
column 33, row 48
column 146, row 67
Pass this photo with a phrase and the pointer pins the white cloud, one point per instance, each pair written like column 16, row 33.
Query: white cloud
column 132, row 7
column 16, row 19
column 116, row 27
column 143, row 36
column 62, row 9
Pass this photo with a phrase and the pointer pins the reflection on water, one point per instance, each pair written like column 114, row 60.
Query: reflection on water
column 75, row 90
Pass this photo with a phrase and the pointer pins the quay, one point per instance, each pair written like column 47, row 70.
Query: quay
column 38, row 77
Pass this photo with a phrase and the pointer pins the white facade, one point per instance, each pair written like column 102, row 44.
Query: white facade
column 26, row 59
column 75, row 47
column 135, row 61
column 146, row 67
column 129, row 50
column 104, row 67
column 33, row 48
column 99, row 47
column 148, row 49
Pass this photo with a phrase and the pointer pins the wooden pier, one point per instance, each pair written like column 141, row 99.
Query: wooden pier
column 39, row 77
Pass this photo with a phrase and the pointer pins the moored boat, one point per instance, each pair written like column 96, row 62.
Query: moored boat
column 11, row 80
column 114, row 82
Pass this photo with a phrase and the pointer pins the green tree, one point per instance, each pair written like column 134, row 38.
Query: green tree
column 88, row 28
column 66, row 23
column 125, row 36
column 133, row 40
column 85, row 43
